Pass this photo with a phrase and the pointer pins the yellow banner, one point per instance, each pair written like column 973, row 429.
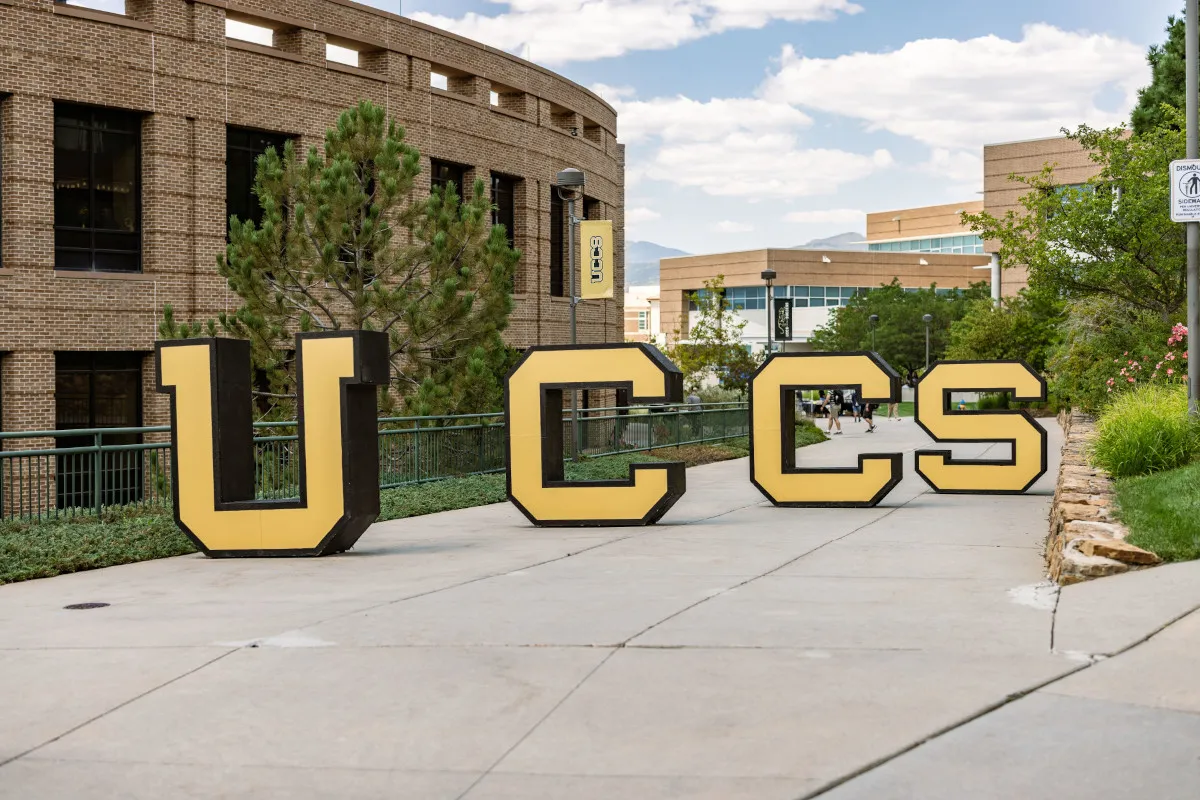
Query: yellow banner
column 596, row 259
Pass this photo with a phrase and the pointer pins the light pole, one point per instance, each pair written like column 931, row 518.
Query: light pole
column 1192, row 85
column 569, row 183
column 874, row 320
column 928, row 320
column 768, row 275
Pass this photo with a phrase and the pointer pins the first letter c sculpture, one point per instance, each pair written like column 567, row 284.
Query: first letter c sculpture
column 213, row 450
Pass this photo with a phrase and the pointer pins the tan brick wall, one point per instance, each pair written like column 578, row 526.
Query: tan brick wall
column 678, row 276
column 943, row 220
column 170, row 60
column 1000, row 195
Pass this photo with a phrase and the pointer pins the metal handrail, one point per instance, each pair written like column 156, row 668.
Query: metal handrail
column 54, row 481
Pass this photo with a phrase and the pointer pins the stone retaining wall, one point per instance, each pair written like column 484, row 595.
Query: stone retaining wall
column 1086, row 541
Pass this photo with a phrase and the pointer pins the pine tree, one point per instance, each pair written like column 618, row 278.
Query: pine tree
column 345, row 245
column 1169, row 76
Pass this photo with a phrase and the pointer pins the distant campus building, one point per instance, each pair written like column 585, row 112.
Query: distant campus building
column 127, row 140
column 917, row 246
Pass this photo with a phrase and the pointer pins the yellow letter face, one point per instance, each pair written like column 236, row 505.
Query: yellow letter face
column 773, row 431
column 935, row 415
column 534, row 404
column 213, row 450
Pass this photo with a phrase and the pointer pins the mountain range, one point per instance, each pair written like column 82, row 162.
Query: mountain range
column 641, row 258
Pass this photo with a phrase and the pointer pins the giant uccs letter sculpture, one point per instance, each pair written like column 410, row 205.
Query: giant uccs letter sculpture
column 338, row 375
column 534, row 400
column 213, row 449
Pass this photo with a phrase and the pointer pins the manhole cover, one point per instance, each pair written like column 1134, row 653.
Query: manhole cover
column 85, row 606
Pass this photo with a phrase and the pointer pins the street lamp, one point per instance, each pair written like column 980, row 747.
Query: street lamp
column 768, row 275
column 569, row 184
column 928, row 319
column 874, row 320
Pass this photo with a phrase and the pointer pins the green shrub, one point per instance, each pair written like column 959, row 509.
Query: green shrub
column 990, row 402
column 1146, row 430
column 719, row 394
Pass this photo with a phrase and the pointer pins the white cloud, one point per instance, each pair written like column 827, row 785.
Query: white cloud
column 962, row 94
column 681, row 119
column 828, row 216
column 729, row 226
column 762, row 166
column 737, row 147
column 548, row 31
column 635, row 216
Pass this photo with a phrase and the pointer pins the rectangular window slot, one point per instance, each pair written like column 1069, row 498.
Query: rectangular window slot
column 494, row 98
column 249, row 32
column 439, row 81
column 341, row 55
column 111, row 6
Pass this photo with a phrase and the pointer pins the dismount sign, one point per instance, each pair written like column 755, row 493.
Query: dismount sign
column 1185, row 190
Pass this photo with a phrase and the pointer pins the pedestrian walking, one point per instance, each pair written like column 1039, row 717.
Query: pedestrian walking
column 833, row 405
column 868, row 414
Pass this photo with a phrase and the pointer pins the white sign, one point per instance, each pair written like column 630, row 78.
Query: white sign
column 1185, row 190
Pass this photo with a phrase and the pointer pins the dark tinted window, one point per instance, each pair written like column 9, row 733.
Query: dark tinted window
column 442, row 173
column 558, row 245
column 242, row 149
column 504, row 199
column 97, row 189
column 98, row 390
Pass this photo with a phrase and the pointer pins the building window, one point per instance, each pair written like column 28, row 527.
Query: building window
column 2, row 99
column 643, row 320
column 954, row 245
column 444, row 173
column 242, row 149
column 591, row 208
column 98, row 390
column 504, row 202
column 747, row 298
column 97, row 189
column 558, row 245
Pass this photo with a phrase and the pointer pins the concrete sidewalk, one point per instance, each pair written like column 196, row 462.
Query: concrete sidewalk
column 734, row 651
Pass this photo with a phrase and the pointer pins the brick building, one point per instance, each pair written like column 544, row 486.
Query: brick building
column 127, row 139
column 1073, row 167
column 816, row 281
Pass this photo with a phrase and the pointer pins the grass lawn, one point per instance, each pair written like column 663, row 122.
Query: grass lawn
column 1162, row 512
column 55, row 547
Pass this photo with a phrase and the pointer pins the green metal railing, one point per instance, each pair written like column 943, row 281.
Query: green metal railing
column 74, row 472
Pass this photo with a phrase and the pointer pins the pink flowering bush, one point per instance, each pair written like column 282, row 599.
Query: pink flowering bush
column 1171, row 367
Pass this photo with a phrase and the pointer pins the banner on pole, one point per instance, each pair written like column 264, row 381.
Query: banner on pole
column 782, row 318
column 596, row 244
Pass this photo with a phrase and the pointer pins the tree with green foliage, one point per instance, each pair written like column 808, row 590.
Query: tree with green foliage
column 1112, row 237
column 1168, row 79
column 1025, row 327
column 1098, row 336
column 712, row 347
column 345, row 243
column 900, row 332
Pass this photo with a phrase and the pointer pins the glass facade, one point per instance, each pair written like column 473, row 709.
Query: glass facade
column 818, row 296
column 97, row 189
column 955, row 245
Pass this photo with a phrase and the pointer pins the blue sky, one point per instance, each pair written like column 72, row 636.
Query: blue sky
column 768, row 123
column 754, row 123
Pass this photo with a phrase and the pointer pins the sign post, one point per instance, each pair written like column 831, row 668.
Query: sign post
column 1183, row 183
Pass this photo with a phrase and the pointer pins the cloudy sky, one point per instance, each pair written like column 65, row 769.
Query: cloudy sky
column 754, row 123
column 757, row 123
